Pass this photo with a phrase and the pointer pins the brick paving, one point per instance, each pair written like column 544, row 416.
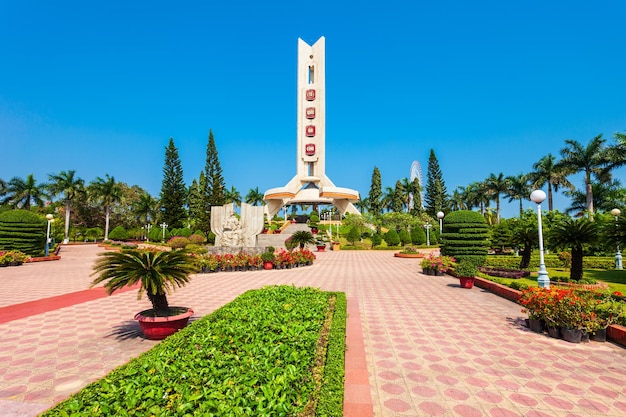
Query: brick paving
column 416, row 345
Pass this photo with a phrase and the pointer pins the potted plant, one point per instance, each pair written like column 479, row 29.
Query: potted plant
column 268, row 259
column 466, row 271
column 158, row 273
column 302, row 238
column 314, row 221
column 436, row 265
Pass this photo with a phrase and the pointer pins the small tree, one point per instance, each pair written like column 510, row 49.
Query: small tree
column 418, row 236
column 118, row 233
column 353, row 235
column 377, row 239
column 574, row 234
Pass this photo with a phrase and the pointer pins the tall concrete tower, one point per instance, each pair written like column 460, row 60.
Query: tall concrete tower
column 310, row 185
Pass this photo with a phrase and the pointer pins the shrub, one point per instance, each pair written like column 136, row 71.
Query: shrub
column 377, row 239
column 418, row 236
column 23, row 231
column 566, row 258
column 466, row 268
column 353, row 235
column 118, row 233
column 178, row 242
column 465, row 236
column 392, row 238
column 196, row 239
column 404, row 236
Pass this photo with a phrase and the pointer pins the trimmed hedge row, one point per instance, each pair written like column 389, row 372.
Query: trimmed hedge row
column 465, row 236
column 551, row 261
column 254, row 356
column 23, row 231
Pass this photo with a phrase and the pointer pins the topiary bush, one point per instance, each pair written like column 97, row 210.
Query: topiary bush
column 197, row 239
column 392, row 238
column 377, row 239
column 465, row 236
column 404, row 236
column 418, row 236
column 118, row 233
column 23, row 231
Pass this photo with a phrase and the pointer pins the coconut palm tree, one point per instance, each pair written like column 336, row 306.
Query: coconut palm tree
column 591, row 160
column 496, row 185
column 576, row 235
column 518, row 189
column 20, row 193
column 387, row 200
column 70, row 186
column 458, row 199
column 302, row 238
column 605, row 196
column 255, row 197
column 107, row 192
column 232, row 196
column 158, row 273
column 547, row 171
column 145, row 208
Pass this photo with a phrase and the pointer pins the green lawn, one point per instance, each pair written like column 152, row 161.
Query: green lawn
column 614, row 278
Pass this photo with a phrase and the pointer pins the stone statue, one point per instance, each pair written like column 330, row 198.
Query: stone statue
column 233, row 232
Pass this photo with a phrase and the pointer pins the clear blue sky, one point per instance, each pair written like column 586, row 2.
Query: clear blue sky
column 491, row 86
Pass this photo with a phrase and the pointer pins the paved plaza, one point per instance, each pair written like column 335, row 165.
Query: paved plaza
column 417, row 345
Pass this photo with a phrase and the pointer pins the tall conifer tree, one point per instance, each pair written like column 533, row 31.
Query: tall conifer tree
column 397, row 203
column 214, row 185
column 376, row 193
column 173, row 189
column 436, row 195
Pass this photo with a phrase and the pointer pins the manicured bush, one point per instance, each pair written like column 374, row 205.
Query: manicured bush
column 23, row 231
column 404, row 236
column 377, row 239
column 465, row 236
column 418, row 236
column 118, row 233
column 265, row 353
column 178, row 242
column 392, row 238
column 353, row 235
column 197, row 239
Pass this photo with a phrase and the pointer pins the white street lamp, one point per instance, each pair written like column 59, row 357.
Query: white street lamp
column 148, row 227
column 618, row 256
column 428, row 226
column 440, row 217
column 49, row 218
column 163, row 226
column 538, row 196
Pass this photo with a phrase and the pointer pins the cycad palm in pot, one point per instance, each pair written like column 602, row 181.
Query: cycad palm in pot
column 157, row 273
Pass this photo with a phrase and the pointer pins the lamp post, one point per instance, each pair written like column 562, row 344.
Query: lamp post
column 538, row 196
column 440, row 217
column 148, row 226
column 428, row 226
column 618, row 256
column 163, row 226
column 49, row 218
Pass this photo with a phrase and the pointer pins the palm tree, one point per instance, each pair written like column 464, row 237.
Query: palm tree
column 21, row 192
column 65, row 183
column 549, row 172
column 363, row 204
column 302, row 238
column 496, row 185
column 145, row 208
column 107, row 192
column 387, row 201
column 458, row 199
column 255, row 197
column 574, row 234
column 158, row 273
column 232, row 196
column 518, row 189
column 591, row 160
column 605, row 196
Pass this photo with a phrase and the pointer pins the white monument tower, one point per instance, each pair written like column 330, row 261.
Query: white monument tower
column 310, row 185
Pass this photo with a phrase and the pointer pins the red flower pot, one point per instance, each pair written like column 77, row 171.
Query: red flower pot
column 268, row 265
column 158, row 328
column 466, row 282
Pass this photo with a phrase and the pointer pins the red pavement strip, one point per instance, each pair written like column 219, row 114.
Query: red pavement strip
column 44, row 305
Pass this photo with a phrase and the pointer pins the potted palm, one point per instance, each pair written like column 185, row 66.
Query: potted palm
column 466, row 271
column 302, row 238
column 157, row 273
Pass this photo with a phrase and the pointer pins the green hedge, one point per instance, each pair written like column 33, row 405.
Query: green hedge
column 551, row 261
column 254, row 356
column 465, row 236
column 23, row 231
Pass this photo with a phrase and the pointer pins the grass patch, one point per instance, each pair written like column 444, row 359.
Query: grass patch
column 272, row 351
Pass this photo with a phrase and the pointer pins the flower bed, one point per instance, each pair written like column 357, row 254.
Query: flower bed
column 248, row 262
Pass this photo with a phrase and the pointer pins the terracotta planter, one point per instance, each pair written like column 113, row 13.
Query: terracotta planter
column 408, row 255
column 268, row 265
column 467, row 282
column 158, row 328
column 321, row 248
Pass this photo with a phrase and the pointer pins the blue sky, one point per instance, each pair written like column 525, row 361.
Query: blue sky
column 491, row 86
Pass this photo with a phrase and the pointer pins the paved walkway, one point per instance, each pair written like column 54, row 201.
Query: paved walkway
column 417, row 345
